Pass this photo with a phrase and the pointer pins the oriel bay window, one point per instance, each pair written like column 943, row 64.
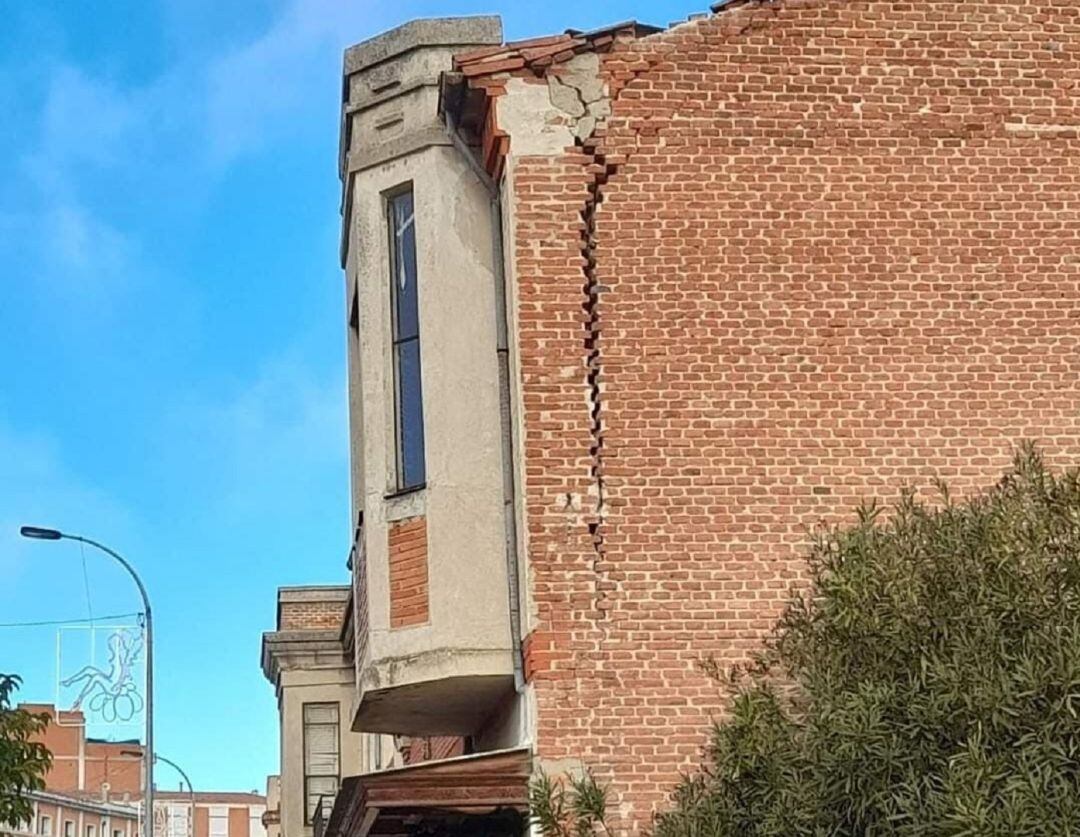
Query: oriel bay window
column 321, row 756
column 405, row 328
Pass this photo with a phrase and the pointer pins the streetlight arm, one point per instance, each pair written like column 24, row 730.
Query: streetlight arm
column 123, row 562
column 178, row 769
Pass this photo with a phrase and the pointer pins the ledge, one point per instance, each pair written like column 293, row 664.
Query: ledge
column 428, row 32
column 439, row 692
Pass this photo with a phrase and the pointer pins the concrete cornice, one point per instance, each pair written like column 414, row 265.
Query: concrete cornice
column 411, row 144
column 314, row 593
column 111, row 809
column 301, row 650
column 428, row 32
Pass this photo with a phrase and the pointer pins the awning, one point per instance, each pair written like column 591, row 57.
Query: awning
column 485, row 795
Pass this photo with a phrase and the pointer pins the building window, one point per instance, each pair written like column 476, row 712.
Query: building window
column 90, row 831
column 321, row 763
column 178, row 821
column 405, row 328
column 374, row 743
column 69, row 828
column 45, row 825
column 219, row 821
column 117, row 832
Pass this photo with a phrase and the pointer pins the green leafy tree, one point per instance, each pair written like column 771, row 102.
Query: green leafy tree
column 927, row 683
column 23, row 761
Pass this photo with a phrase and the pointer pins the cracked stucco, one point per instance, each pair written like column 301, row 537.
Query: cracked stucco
column 561, row 110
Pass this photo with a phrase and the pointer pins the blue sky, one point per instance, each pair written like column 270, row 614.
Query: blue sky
column 171, row 329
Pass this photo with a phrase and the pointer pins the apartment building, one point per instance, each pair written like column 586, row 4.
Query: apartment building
column 91, row 776
column 209, row 814
column 309, row 660
column 107, row 770
column 630, row 312
column 57, row 814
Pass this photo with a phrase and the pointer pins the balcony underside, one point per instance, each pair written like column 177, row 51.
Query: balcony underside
column 441, row 693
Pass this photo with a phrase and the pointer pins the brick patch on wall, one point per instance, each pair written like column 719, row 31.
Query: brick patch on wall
column 408, row 573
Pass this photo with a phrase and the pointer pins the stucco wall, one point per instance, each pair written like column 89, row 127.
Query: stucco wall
column 298, row 688
column 395, row 138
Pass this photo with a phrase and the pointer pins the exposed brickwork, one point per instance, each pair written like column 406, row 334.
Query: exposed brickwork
column 87, row 766
column 408, row 573
column 417, row 750
column 839, row 255
column 361, row 616
column 310, row 616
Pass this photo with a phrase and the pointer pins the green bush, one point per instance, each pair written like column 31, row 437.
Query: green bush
column 927, row 683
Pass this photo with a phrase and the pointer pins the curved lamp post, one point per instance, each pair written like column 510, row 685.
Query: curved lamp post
column 40, row 534
column 184, row 776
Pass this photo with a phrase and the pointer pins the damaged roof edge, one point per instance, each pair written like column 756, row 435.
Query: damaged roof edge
column 640, row 29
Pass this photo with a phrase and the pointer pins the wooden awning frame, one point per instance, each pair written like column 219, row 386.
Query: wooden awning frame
column 494, row 784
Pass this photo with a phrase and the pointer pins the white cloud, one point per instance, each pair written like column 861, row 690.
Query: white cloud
column 266, row 85
column 271, row 444
column 37, row 487
column 65, row 245
column 190, row 121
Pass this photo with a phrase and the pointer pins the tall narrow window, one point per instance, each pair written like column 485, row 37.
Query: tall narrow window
column 178, row 821
column 405, row 316
column 219, row 821
column 321, row 763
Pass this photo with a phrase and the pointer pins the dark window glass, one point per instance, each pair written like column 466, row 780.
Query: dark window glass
column 405, row 314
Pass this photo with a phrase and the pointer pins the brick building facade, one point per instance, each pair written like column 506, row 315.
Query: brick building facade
column 94, row 789
column 829, row 249
column 110, row 771
column 74, row 814
column 729, row 279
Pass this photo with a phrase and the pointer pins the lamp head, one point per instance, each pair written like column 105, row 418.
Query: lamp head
column 39, row 534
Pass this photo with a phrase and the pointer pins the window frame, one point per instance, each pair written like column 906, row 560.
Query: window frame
column 309, row 813
column 44, row 825
column 211, row 816
column 402, row 485
column 69, row 828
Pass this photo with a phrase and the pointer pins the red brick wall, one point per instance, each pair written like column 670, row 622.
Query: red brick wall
column 102, row 762
column 437, row 748
column 836, row 253
column 408, row 573
column 310, row 616
column 106, row 763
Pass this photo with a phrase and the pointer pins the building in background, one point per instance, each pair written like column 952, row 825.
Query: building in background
column 107, row 775
column 76, row 814
column 272, row 816
column 630, row 312
column 215, row 814
column 107, row 770
column 308, row 659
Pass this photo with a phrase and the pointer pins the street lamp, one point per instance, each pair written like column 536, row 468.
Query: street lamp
column 39, row 534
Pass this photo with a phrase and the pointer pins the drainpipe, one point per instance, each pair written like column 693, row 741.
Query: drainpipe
column 506, row 422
